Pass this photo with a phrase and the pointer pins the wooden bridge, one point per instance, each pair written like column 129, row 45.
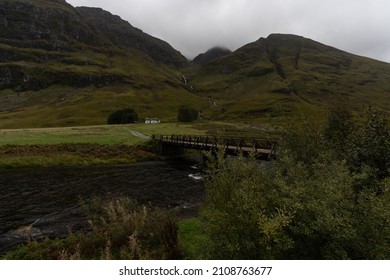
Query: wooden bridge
column 261, row 148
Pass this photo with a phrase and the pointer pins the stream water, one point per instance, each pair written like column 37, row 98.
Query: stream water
column 43, row 202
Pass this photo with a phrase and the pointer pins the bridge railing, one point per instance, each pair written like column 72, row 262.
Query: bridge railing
column 231, row 144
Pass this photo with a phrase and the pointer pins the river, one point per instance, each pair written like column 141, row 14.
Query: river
column 43, row 202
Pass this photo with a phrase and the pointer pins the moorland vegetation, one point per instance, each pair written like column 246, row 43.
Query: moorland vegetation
column 325, row 197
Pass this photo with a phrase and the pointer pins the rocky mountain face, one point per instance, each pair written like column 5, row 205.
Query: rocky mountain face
column 46, row 42
column 211, row 54
column 66, row 66
column 123, row 34
column 45, row 25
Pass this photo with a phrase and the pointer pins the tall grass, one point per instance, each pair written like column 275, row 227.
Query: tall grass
column 119, row 229
column 71, row 154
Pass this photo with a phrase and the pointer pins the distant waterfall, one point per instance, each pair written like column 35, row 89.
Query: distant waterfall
column 184, row 79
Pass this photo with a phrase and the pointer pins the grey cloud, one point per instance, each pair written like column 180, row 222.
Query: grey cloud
column 193, row 26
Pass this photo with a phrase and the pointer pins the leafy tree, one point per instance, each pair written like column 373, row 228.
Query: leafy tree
column 187, row 114
column 340, row 128
column 372, row 146
column 123, row 116
column 305, row 204
column 304, row 141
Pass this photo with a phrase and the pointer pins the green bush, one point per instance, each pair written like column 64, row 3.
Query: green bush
column 306, row 204
column 187, row 114
column 371, row 146
column 123, row 116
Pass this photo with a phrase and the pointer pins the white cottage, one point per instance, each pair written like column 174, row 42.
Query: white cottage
column 152, row 120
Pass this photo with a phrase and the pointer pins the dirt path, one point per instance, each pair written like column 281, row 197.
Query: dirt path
column 137, row 134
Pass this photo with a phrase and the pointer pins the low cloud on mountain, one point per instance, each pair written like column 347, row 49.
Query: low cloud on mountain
column 192, row 27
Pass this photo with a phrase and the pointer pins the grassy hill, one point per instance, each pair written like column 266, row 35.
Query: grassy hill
column 284, row 76
column 66, row 66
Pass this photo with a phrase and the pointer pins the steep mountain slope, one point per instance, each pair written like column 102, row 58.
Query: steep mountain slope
column 49, row 35
column 211, row 54
column 122, row 34
column 65, row 66
column 70, row 66
column 287, row 75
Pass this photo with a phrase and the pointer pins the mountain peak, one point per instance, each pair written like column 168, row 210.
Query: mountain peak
column 285, row 74
column 210, row 55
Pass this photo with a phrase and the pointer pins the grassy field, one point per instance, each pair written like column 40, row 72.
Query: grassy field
column 192, row 238
column 103, row 134
column 75, row 146
column 103, row 144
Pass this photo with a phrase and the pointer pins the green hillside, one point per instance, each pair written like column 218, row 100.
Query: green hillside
column 63, row 66
column 284, row 76
column 66, row 66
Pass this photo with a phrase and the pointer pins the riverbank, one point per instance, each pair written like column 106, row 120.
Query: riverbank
column 39, row 203
column 44, row 173
column 71, row 154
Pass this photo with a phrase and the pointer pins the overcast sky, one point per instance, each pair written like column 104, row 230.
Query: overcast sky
column 194, row 26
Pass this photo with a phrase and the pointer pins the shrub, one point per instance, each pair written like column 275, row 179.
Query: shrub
column 306, row 205
column 122, row 117
column 187, row 114
column 371, row 147
column 120, row 229
column 340, row 129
